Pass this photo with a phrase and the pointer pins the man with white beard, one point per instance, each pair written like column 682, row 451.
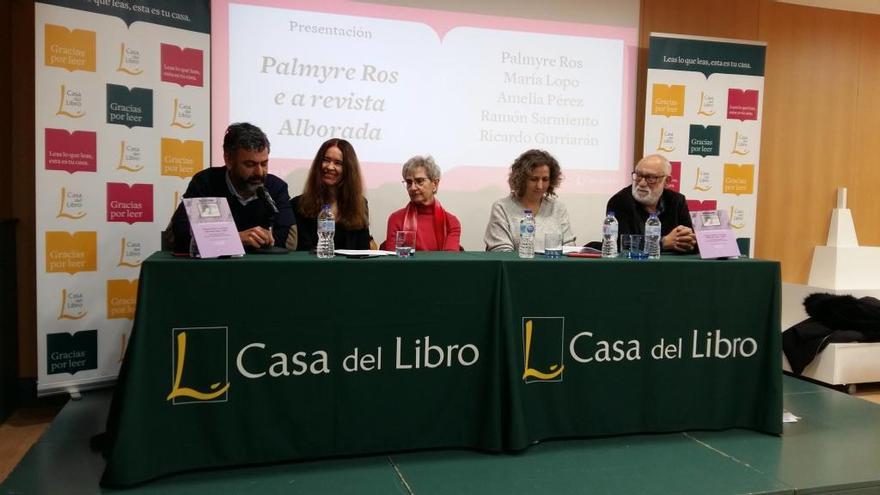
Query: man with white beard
column 633, row 204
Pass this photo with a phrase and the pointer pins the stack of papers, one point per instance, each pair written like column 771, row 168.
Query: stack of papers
column 365, row 253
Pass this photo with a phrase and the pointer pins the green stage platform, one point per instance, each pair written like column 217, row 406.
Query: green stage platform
column 834, row 448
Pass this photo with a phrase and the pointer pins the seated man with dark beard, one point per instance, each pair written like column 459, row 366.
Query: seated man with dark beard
column 240, row 181
column 633, row 204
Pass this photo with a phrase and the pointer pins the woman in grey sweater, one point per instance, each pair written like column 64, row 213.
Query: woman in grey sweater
column 533, row 179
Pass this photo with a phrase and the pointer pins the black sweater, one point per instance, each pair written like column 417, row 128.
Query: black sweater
column 211, row 182
column 307, row 233
column 631, row 215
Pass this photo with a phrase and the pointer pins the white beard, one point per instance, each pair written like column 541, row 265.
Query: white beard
column 649, row 199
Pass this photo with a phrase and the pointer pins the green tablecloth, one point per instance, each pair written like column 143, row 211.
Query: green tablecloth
column 272, row 358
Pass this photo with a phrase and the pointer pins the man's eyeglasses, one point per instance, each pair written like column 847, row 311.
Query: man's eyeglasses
column 419, row 181
column 650, row 179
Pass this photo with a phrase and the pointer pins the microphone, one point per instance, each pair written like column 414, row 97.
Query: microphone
column 267, row 198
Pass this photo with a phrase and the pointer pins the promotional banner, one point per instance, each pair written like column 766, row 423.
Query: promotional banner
column 703, row 112
column 122, row 112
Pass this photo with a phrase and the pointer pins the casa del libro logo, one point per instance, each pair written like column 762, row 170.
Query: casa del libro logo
column 130, row 60
column 200, row 361
column 199, row 369
column 131, row 157
column 71, row 102
column 71, row 205
column 545, row 348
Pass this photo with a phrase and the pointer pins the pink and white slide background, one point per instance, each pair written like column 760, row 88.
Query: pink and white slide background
column 472, row 90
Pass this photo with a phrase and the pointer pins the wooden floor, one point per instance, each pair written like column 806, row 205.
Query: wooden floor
column 870, row 391
column 559, row 463
column 21, row 430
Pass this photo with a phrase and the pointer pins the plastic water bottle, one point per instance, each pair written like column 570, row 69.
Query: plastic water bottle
column 652, row 237
column 326, row 231
column 527, row 235
column 609, row 236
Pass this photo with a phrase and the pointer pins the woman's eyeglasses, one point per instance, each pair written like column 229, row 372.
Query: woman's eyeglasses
column 419, row 181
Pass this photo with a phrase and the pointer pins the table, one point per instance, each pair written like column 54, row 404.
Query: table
column 273, row 358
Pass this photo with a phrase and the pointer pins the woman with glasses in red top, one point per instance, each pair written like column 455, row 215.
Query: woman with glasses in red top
column 436, row 229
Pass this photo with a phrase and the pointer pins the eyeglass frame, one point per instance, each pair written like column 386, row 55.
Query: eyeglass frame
column 651, row 180
column 418, row 181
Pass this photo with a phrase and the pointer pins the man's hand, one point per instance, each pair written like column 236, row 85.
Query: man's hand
column 256, row 237
column 681, row 239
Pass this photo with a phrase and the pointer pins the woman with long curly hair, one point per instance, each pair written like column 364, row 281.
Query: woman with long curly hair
column 334, row 179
